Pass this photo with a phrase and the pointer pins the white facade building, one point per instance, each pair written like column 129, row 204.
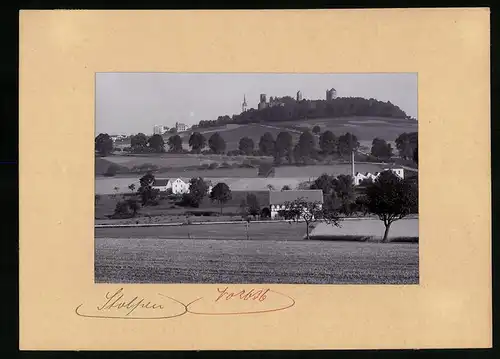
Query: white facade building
column 277, row 199
column 359, row 177
column 178, row 185
column 181, row 127
column 160, row 129
column 118, row 137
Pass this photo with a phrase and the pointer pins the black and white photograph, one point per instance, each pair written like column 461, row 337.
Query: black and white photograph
column 276, row 178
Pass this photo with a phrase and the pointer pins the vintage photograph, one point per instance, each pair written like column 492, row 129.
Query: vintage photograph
column 284, row 178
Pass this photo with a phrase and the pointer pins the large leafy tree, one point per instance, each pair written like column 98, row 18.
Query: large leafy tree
column 391, row 198
column 283, row 146
column 217, row 143
column 381, row 149
column 147, row 193
column 324, row 183
column 221, row 194
column 406, row 143
column 301, row 210
column 198, row 189
column 175, row 143
column 246, row 145
column 343, row 187
column 305, row 147
column 328, row 142
column 347, row 143
column 103, row 144
column 138, row 142
column 266, row 144
column 197, row 141
column 157, row 143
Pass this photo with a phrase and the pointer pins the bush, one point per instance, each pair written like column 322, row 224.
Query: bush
column 202, row 213
column 112, row 170
column 225, row 165
column 234, row 153
column 188, row 200
column 213, row 166
column 265, row 213
column 247, row 163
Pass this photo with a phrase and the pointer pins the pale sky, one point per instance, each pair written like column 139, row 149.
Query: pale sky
column 128, row 103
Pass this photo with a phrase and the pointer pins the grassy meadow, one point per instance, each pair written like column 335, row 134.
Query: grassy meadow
column 364, row 128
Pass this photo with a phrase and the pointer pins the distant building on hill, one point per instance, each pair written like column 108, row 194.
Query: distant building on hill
column 262, row 101
column 299, row 96
column 331, row 94
column 181, row 127
column 160, row 129
column 277, row 199
column 244, row 104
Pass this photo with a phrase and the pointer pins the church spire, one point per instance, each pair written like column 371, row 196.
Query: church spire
column 244, row 104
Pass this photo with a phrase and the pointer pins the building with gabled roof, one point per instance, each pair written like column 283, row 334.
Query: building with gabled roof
column 277, row 199
column 359, row 177
column 177, row 185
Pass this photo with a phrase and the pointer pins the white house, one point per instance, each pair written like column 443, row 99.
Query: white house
column 178, row 185
column 277, row 199
column 181, row 127
column 359, row 177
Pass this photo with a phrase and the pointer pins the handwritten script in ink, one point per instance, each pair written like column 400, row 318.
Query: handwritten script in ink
column 120, row 304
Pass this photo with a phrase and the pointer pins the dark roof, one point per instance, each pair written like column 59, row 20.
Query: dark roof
column 310, row 195
column 160, row 182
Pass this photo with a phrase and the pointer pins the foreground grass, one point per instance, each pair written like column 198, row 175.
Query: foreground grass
column 157, row 260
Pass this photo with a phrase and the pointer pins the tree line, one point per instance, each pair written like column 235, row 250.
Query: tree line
column 310, row 145
column 292, row 110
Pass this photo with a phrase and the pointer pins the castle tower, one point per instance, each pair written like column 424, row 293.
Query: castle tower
column 331, row 94
column 263, row 101
column 244, row 104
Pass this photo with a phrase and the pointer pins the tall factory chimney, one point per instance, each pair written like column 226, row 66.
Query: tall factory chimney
column 352, row 164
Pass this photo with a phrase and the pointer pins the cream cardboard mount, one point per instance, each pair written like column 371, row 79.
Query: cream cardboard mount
column 62, row 308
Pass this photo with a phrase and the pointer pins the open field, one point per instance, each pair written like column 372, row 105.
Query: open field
column 242, row 179
column 336, row 169
column 155, row 260
column 166, row 208
column 173, row 161
column 106, row 185
column 364, row 128
column 353, row 229
column 179, row 163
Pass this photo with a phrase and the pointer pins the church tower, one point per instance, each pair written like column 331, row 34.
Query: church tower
column 244, row 104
